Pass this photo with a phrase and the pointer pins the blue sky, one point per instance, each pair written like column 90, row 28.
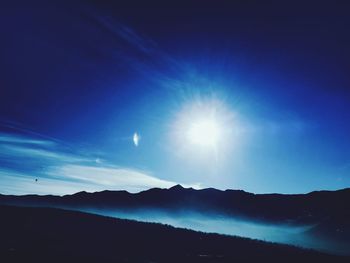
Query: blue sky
column 78, row 80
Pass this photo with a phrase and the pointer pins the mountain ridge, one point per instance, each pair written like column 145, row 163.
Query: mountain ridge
column 180, row 187
column 312, row 207
column 327, row 212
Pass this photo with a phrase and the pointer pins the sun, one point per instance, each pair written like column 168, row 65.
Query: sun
column 205, row 132
column 204, row 128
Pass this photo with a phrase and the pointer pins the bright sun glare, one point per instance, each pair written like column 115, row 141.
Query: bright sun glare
column 204, row 132
column 204, row 127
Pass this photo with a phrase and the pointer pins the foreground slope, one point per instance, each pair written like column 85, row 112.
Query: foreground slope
column 328, row 212
column 54, row 235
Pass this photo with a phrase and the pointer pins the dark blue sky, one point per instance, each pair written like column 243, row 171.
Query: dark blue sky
column 78, row 80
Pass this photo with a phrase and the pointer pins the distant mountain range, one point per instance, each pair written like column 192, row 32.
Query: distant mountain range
column 328, row 212
column 296, row 209
column 53, row 235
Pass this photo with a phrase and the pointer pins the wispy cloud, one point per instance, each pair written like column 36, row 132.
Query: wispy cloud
column 138, row 51
column 30, row 165
column 16, row 183
column 109, row 177
column 8, row 138
column 25, row 151
column 124, row 32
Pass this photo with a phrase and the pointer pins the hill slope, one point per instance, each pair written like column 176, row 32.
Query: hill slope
column 326, row 214
column 54, row 235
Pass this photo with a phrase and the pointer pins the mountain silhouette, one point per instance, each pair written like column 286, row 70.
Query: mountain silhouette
column 297, row 208
column 327, row 212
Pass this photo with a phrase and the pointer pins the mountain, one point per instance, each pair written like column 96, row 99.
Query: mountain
column 326, row 213
column 297, row 209
column 53, row 235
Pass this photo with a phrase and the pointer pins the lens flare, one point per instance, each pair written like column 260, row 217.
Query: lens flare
column 136, row 139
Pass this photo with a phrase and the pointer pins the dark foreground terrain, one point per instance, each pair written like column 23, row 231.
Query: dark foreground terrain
column 54, row 235
column 325, row 215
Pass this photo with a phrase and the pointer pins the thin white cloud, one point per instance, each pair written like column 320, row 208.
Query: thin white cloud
column 8, row 138
column 61, row 172
column 109, row 177
column 134, row 39
column 20, row 184
column 24, row 151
